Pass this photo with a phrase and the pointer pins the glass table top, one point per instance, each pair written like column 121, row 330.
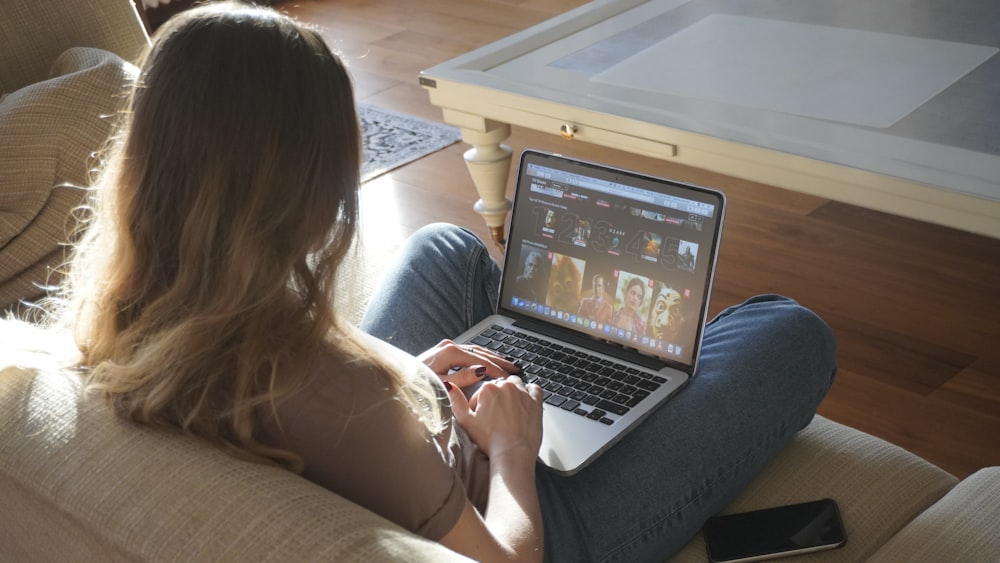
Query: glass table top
column 908, row 88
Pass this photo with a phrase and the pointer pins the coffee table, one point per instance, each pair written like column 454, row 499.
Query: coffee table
column 842, row 99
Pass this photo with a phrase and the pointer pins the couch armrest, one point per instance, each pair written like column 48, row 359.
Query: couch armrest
column 90, row 487
column 880, row 487
column 29, row 263
column 33, row 34
column 49, row 132
column 962, row 526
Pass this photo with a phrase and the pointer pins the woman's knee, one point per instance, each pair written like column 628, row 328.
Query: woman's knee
column 442, row 236
column 804, row 335
column 807, row 328
column 777, row 327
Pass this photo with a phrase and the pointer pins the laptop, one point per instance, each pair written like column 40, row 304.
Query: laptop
column 604, row 296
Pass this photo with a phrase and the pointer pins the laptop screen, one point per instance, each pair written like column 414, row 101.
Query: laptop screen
column 615, row 255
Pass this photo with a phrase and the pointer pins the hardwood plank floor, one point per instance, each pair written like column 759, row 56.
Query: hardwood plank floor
column 914, row 305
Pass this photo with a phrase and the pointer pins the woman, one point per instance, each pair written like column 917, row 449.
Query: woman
column 627, row 317
column 200, row 299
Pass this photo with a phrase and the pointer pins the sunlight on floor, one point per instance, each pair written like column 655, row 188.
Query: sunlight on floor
column 380, row 219
column 379, row 237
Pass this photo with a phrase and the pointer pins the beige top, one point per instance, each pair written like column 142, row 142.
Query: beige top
column 364, row 444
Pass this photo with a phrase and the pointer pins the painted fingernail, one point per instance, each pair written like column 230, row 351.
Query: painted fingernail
column 447, row 386
column 480, row 371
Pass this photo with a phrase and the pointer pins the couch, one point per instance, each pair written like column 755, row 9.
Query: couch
column 62, row 79
column 77, row 484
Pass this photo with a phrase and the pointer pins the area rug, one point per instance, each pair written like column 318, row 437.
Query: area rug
column 393, row 139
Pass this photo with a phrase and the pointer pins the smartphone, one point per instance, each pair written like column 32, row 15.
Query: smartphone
column 775, row 532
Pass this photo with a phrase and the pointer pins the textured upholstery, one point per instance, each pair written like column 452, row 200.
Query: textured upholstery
column 76, row 480
column 78, row 484
column 879, row 487
column 33, row 33
column 953, row 529
column 49, row 132
column 361, row 273
column 61, row 76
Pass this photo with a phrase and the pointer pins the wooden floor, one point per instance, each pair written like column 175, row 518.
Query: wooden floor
column 914, row 306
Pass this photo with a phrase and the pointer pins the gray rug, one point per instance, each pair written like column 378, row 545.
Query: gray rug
column 393, row 139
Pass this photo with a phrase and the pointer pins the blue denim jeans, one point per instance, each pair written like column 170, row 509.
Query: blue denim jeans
column 764, row 368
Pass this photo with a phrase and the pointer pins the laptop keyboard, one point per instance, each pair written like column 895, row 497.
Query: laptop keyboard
column 573, row 380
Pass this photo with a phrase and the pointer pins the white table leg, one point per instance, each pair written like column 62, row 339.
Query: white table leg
column 489, row 164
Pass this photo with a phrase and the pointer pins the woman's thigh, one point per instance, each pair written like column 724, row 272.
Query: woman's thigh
column 764, row 368
column 442, row 282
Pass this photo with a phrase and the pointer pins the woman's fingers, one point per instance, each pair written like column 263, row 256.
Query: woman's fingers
column 536, row 392
column 465, row 377
column 447, row 357
column 503, row 414
column 459, row 404
column 496, row 365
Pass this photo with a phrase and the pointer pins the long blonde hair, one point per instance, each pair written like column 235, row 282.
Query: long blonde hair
column 202, row 289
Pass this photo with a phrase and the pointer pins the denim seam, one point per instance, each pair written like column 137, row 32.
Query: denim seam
column 692, row 498
column 472, row 271
column 726, row 472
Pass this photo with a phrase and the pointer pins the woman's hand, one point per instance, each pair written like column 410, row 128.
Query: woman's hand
column 504, row 417
column 465, row 365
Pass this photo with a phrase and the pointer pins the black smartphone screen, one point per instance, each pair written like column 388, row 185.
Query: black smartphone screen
column 775, row 532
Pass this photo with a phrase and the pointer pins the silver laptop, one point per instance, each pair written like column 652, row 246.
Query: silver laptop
column 604, row 296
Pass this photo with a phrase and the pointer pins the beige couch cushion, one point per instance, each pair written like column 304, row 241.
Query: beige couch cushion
column 880, row 487
column 33, row 34
column 963, row 526
column 360, row 274
column 78, row 484
column 49, row 133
